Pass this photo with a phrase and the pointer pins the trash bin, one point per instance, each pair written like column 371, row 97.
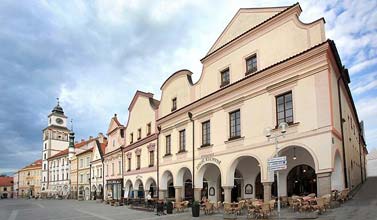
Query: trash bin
column 169, row 208
column 195, row 209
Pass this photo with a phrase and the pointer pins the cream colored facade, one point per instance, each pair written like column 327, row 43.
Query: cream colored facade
column 97, row 181
column 140, row 151
column 83, row 172
column 294, row 62
column 113, row 160
column 29, row 180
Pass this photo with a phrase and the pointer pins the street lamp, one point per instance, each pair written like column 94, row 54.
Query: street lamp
column 267, row 132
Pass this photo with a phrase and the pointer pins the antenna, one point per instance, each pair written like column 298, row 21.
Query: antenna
column 58, row 100
column 71, row 124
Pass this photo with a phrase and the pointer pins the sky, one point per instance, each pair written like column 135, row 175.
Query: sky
column 94, row 55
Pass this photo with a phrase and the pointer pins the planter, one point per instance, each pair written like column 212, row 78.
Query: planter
column 195, row 209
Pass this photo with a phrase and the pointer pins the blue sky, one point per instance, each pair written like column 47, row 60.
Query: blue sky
column 94, row 55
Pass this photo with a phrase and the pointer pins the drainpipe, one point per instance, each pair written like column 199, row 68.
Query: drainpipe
column 103, row 179
column 341, row 128
column 158, row 160
column 361, row 167
column 90, row 179
column 122, row 149
column 77, row 178
column 193, row 154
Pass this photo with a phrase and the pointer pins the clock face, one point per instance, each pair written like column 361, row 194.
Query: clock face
column 59, row 121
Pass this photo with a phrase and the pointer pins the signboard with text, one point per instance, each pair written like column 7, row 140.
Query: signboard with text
column 277, row 163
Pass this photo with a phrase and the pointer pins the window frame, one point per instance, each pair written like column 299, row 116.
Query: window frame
column 149, row 128
column 167, row 145
column 235, row 136
column 182, row 141
column 207, row 129
column 129, row 163
column 174, row 104
column 284, row 108
column 131, row 137
column 223, row 83
column 139, row 134
column 151, row 158
column 138, row 162
column 254, row 55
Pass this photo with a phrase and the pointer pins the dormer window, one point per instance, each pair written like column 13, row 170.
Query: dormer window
column 251, row 64
column 174, row 104
column 224, row 77
column 139, row 133
column 131, row 138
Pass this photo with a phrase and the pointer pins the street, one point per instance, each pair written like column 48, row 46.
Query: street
column 361, row 207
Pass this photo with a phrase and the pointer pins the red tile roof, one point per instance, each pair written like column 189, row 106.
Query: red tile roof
column 35, row 164
column 85, row 151
column 6, row 181
column 59, row 154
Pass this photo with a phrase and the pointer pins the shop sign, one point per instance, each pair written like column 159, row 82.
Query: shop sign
column 208, row 158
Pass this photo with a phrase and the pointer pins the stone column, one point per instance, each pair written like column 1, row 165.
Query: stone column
column 146, row 192
column 162, row 194
column 267, row 191
column 323, row 184
column 227, row 193
column 178, row 193
column 197, row 194
column 135, row 193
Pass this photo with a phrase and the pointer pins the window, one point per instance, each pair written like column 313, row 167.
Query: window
column 113, row 143
column 45, row 146
column 81, row 163
column 149, row 128
column 139, row 133
column 62, row 176
column 67, row 175
column 131, row 138
column 87, row 177
column 63, row 162
column 284, row 108
column 251, row 64
column 168, row 145
column 225, row 77
column 174, row 104
column 206, row 133
column 120, row 167
column 112, row 169
column 129, row 164
column 137, row 162
column 44, row 156
column 235, row 124
column 100, row 170
column 44, row 166
column 87, row 161
column 151, row 158
column 182, row 141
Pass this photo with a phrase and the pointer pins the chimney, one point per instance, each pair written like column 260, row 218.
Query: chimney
column 76, row 142
column 100, row 137
column 82, row 140
column 90, row 137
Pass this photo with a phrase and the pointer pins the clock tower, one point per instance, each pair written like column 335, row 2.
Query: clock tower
column 55, row 139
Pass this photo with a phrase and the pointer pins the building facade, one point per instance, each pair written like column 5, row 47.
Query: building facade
column 139, row 153
column 29, row 180
column 113, row 160
column 267, row 67
column 98, row 181
column 55, row 140
column 6, row 187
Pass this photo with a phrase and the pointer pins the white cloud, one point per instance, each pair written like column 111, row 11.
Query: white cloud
column 363, row 65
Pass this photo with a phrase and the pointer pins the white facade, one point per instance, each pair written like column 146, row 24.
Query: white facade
column 372, row 164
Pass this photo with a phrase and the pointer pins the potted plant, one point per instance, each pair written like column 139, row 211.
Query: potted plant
column 195, row 208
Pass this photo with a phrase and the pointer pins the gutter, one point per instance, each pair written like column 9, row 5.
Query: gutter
column 158, row 161
column 342, row 131
column 193, row 155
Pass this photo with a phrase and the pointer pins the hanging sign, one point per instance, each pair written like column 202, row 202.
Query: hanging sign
column 277, row 163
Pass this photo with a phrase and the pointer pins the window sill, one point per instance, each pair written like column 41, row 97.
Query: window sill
column 167, row 155
column 205, row 146
column 251, row 72
column 181, row 152
column 234, row 139
column 292, row 124
column 151, row 165
column 224, row 84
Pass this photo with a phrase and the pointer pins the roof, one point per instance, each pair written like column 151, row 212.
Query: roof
column 35, row 164
column 85, row 151
column 60, row 154
column 6, row 181
column 103, row 147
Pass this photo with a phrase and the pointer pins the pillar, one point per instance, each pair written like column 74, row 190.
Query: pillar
column 162, row 194
column 135, row 193
column 178, row 193
column 323, row 184
column 227, row 193
column 267, row 191
column 146, row 192
column 197, row 194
